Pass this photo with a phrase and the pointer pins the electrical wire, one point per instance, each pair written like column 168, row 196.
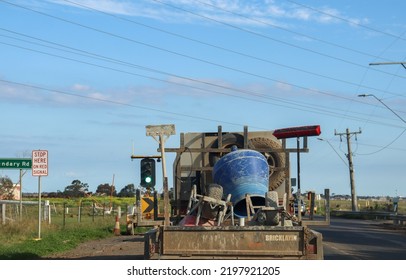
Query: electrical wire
column 298, row 106
column 270, row 38
column 182, row 55
column 347, row 21
column 177, row 53
column 237, row 52
column 265, row 23
column 121, row 103
column 384, row 147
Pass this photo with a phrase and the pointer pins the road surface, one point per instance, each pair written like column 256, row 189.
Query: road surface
column 352, row 239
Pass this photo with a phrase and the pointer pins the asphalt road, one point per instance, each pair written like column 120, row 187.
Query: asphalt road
column 351, row 239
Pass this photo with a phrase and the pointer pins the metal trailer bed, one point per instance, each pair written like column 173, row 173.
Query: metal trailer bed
column 233, row 242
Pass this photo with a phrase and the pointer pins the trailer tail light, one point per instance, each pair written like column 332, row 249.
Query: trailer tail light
column 311, row 249
column 300, row 131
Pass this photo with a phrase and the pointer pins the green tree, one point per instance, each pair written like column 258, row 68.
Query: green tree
column 6, row 188
column 76, row 189
column 106, row 189
column 127, row 191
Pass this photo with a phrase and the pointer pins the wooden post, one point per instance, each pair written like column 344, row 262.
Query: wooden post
column 3, row 214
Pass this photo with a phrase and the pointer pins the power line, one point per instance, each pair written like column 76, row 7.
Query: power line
column 286, row 30
column 56, row 91
column 121, row 103
column 328, row 142
column 346, row 20
column 384, row 147
column 180, row 54
column 299, row 106
column 270, row 38
column 390, row 109
column 237, row 52
column 111, row 34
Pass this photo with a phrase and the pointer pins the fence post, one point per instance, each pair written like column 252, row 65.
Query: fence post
column 104, row 209
column 79, row 208
column 48, row 210
column 93, row 212
column 65, row 209
column 3, row 214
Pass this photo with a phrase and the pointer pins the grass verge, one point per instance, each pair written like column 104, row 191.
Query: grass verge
column 19, row 242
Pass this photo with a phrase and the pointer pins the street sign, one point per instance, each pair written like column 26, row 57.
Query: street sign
column 40, row 163
column 15, row 163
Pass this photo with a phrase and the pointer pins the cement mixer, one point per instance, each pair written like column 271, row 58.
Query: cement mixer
column 232, row 199
column 243, row 172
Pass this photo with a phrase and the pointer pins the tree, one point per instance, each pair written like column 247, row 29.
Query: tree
column 76, row 189
column 6, row 188
column 127, row 191
column 106, row 189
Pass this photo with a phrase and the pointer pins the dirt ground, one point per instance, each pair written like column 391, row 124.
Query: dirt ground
column 123, row 247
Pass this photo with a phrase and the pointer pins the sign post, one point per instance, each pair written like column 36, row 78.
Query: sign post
column 297, row 132
column 39, row 169
column 161, row 133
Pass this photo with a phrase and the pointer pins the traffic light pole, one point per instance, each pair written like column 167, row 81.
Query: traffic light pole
column 161, row 131
column 165, row 180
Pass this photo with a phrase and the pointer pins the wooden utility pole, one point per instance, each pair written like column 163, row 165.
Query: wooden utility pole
column 348, row 135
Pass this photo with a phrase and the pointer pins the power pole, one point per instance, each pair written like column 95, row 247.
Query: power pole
column 348, row 134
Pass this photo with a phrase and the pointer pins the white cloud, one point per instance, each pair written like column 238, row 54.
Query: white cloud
column 247, row 13
column 80, row 87
column 108, row 6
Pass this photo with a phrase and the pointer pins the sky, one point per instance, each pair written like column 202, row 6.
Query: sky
column 83, row 78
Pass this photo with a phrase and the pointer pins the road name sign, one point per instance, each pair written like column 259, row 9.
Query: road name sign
column 40, row 163
column 15, row 163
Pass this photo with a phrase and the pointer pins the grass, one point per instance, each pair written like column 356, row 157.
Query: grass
column 18, row 242
column 368, row 205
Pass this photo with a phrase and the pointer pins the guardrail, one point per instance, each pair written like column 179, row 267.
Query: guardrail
column 396, row 218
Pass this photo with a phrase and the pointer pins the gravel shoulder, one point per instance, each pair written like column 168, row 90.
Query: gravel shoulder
column 123, row 247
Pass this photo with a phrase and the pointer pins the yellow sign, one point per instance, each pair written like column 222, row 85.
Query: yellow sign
column 147, row 206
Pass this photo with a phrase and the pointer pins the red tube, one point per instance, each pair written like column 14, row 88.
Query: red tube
column 300, row 131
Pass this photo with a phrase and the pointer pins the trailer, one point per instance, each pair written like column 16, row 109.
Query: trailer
column 234, row 200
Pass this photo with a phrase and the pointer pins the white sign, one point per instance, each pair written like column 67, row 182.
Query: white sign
column 40, row 163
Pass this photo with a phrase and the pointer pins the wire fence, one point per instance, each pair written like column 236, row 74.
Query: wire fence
column 59, row 213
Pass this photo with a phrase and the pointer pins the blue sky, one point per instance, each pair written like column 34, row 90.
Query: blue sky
column 82, row 79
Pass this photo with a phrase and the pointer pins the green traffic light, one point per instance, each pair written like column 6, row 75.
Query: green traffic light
column 147, row 172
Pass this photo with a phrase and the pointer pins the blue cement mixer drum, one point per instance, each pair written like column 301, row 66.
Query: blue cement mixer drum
column 242, row 172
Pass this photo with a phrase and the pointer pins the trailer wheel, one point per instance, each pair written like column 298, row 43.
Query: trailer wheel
column 210, row 211
column 229, row 140
column 276, row 161
column 271, row 200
